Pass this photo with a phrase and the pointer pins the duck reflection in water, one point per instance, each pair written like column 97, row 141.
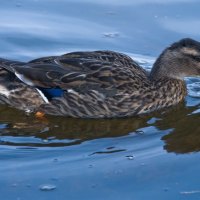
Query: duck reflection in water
column 68, row 131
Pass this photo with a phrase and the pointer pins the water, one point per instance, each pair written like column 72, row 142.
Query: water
column 150, row 157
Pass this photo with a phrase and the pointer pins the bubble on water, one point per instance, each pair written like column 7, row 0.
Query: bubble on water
column 55, row 160
column 47, row 187
column 131, row 157
column 111, row 35
column 166, row 189
column 140, row 132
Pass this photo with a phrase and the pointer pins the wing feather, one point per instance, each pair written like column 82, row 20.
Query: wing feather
column 105, row 71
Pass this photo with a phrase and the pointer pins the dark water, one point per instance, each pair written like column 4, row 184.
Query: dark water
column 148, row 157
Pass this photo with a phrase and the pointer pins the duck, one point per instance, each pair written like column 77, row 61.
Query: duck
column 99, row 84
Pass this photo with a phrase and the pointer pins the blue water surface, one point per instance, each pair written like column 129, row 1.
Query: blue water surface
column 149, row 157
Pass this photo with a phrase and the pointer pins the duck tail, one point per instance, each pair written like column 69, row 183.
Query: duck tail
column 9, row 64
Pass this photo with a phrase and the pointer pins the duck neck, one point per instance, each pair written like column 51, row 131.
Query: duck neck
column 162, row 67
column 169, row 86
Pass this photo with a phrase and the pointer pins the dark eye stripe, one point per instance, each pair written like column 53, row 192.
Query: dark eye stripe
column 196, row 58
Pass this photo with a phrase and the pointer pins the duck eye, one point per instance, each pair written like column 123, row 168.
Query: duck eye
column 196, row 58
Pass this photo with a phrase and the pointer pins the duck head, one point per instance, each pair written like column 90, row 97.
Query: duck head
column 181, row 59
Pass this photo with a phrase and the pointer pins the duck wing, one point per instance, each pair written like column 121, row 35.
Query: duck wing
column 97, row 70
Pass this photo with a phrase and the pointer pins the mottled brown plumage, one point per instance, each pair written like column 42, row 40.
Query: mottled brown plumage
column 99, row 84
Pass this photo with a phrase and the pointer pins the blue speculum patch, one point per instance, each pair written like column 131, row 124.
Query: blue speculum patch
column 52, row 92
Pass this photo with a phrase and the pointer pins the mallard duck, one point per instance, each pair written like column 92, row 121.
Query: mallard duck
column 99, row 84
